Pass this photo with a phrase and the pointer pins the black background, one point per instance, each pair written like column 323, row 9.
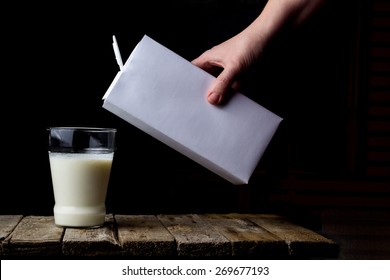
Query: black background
column 58, row 62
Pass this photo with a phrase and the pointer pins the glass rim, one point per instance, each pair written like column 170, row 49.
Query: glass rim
column 83, row 128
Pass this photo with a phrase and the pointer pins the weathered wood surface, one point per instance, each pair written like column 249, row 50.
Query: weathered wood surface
column 246, row 238
column 144, row 235
column 195, row 237
column 34, row 235
column 7, row 225
column 259, row 236
column 91, row 242
column 301, row 242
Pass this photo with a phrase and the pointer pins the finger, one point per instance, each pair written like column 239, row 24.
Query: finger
column 201, row 61
column 221, row 89
column 197, row 61
column 206, row 65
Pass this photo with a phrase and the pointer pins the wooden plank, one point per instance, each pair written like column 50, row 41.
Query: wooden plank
column 195, row 238
column 185, row 236
column 247, row 238
column 144, row 236
column 7, row 225
column 92, row 242
column 302, row 242
column 34, row 236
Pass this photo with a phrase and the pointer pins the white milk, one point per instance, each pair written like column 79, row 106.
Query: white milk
column 80, row 184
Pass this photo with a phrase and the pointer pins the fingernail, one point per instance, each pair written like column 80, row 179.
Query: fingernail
column 214, row 98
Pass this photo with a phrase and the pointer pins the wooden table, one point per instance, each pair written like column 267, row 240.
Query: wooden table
column 206, row 236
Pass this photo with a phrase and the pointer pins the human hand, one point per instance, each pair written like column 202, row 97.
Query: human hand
column 228, row 61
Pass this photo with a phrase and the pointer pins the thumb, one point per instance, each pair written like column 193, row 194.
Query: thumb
column 221, row 88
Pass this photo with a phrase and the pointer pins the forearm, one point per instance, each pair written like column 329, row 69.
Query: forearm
column 235, row 55
column 275, row 16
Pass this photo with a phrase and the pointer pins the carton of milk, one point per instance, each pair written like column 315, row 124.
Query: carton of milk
column 164, row 95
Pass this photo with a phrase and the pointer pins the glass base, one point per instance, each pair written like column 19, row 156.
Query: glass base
column 74, row 217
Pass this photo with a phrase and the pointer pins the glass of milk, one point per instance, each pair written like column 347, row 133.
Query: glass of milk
column 80, row 164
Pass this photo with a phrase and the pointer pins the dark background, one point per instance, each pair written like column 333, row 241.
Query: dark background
column 326, row 160
column 62, row 62
column 59, row 63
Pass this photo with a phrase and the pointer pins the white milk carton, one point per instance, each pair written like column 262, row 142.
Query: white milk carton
column 164, row 95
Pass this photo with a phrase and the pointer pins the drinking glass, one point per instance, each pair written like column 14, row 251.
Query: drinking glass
column 80, row 164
